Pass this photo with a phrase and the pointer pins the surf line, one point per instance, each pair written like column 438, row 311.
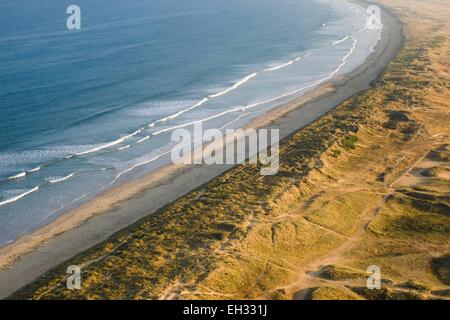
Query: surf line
column 24, row 173
column 110, row 144
column 340, row 41
column 179, row 113
column 281, row 66
column 143, row 139
column 62, row 179
column 123, row 148
column 344, row 61
column 17, row 176
column 244, row 108
column 235, row 86
column 20, row 196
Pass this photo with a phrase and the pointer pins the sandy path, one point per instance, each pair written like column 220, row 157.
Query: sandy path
column 313, row 269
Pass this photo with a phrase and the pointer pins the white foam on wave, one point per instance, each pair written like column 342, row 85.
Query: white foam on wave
column 109, row 144
column 280, row 66
column 143, row 139
column 340, row 41
column 235, row 86
column 34, row 170
column 20, row 196
column 123, row 148
column 61, row 179
column 179, row 113
column 284, row 65
column 17, row 176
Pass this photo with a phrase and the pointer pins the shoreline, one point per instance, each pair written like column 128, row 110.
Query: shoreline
column 79, row 229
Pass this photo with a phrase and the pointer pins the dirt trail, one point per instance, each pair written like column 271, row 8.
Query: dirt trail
column 309, row 273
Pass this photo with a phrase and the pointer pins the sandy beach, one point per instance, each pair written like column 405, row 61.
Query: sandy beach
column 77, row 230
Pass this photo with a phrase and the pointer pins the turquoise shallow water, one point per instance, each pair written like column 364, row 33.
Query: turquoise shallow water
column 83, row 110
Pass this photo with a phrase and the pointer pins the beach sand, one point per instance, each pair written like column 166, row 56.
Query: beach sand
column 77, row 230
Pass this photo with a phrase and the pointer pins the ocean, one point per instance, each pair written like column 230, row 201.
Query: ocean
column 84, row 110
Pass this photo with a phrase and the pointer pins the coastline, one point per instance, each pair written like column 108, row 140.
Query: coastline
column 83, row 227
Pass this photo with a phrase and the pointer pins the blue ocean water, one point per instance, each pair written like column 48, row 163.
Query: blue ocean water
column 83, row 110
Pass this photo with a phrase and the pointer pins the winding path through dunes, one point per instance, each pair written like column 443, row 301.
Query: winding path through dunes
column 312, row 271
